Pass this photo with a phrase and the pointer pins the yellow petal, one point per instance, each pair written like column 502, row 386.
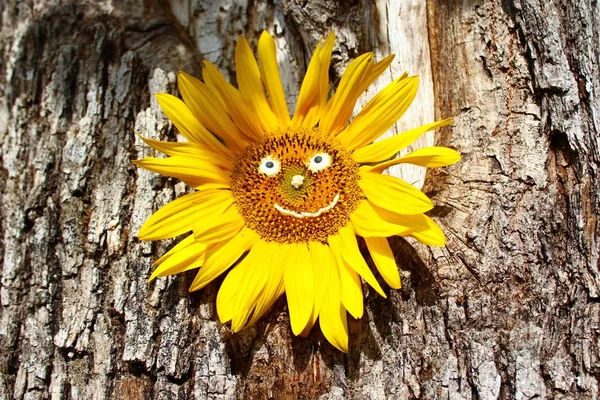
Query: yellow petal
column 251, row 87
column 351, row 254
column 183, row 243
column 387, row 148
column 332, row 317
column 393, row 194
column 269, row 71
column 430, row 157
column 349, row 90
column 274, row 287
column 339, row 108
column 218, row 227
column 209, row 111
column 240, row 113
column 384, row 260
column 180, row 115
column 321, row 264
column 368, row 222
column 299, row 285
column 189, row 149
column 192, row 170
column 375, row 70
column 179, row 215
column 419, row 226
column 351, row 289
column 226, row 306
column 384, row 109
column 221, row 256
column 315, row 86
column 432, row 235
column 188, row 254
column 255, row 278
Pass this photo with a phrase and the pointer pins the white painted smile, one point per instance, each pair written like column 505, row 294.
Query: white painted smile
column 308, row 214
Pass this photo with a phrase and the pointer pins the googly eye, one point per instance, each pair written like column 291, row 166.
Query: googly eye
column 319, row 162
column 269, row 166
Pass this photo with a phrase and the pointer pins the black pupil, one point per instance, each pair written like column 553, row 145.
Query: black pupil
column 269, row 164
column 318, row 159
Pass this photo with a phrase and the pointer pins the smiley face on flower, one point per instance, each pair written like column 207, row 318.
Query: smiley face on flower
column 279, row 200
column 295, row 187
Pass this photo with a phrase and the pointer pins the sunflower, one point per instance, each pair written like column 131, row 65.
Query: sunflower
column 279, row 201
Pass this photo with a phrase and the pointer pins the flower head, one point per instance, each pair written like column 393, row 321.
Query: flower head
column 279, row 201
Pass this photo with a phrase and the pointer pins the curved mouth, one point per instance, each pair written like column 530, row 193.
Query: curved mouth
column 308, row 214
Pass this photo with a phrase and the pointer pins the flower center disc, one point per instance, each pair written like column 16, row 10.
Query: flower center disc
column 257, row 194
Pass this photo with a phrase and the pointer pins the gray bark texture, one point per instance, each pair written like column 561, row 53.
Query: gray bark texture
column 510, row 308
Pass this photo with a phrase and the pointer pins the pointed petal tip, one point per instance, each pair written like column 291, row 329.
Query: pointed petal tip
column 439, row 241
column 237, row 325
column 194, row 287
column 298, row 326
column 265, row 34
column 160, row 96
column 183, row 78
column 343, row 346
column 143, row 233
column 143, row 236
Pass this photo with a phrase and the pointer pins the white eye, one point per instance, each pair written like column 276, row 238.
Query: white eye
column 269, row 166
column 319, row 162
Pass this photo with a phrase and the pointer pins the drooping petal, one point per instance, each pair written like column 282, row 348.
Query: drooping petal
column 332, row 317
column 339, row 108
column 387, row 148
column 187, row 254
column 430, row 157
column 192, row 170
column 351, row 254
column 315, row 86
column 412, row 222
column 209, row 111
column 368, row 222
column 218, row 227
column 274, row 286
column 393, row 194
column 432, row 235
column 382, row 256
column 269, row 71
column 299, row 285
column 221, row 256
column 384, row 109
column 420, row 226
column 351, row 290
column 321, row 263
column 178, row 216
column 226, row 306
column 180, row 115
column 231, row 97
column 251, row 87
column 188, row 149
column 255, row 279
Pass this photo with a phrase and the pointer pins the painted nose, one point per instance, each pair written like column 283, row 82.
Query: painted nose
column 297, row 181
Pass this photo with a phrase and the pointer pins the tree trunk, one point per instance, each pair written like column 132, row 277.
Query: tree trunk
column 510, row 308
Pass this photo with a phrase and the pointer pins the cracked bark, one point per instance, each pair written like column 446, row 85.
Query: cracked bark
column 508, row 309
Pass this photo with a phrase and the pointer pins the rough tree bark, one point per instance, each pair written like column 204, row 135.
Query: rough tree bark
column 510, row 308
